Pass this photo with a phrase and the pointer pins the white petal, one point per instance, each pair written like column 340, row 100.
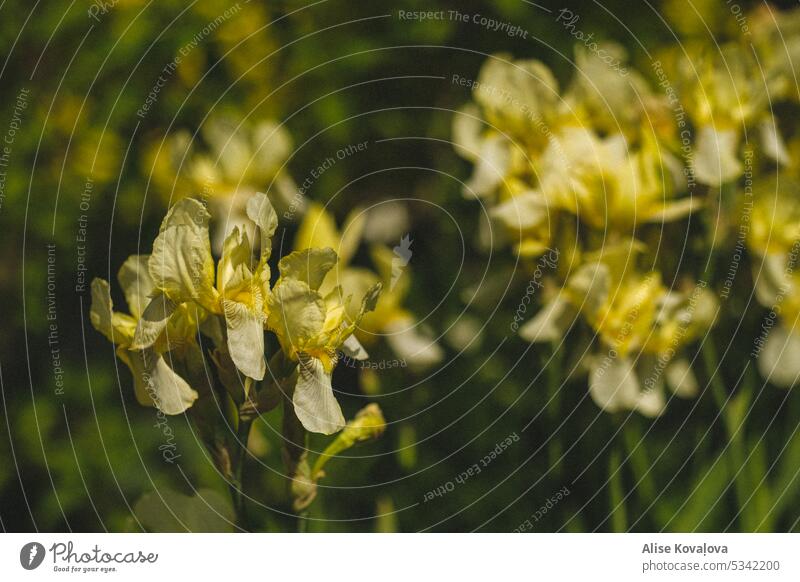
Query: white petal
column 770, row 277
column 313, row 399
column 157, row 385
column 245, row 339
column 650, row 403
column 774, row 145
column 525, row 211
column 408, row 343
column 490, row 168
column 715, row 156
column 467, row 128
column 352, row 348
column 547, row 324
column 681, row 379
column 613, row 384
column 779, row 360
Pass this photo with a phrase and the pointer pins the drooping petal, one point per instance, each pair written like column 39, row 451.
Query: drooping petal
column 774, row 146
column 467, row 128
column 273, row 145
column 102, row 308
column 155, row 383
column 117, row 327
column 650, row 403
column 613, row 384
column 590, row 287
column 245, row 339
column 525, row 211
column 314, row 402
column 549, row 324
column 770, row 277
column 674, row 210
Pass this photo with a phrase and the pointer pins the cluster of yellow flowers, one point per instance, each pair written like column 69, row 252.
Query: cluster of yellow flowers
column 244, row 158
column 597, row 172
column 176, row 294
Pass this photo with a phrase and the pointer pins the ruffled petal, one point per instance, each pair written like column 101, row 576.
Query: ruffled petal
column 261, row 212
column 181, row 264
column 245, row 339
column 309, row 266
column 314, row 402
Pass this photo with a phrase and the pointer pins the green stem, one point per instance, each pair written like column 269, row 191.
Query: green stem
column 302, row 522
column 553, row 383
column 619, row 514
column 732, row 429
column 240, row 456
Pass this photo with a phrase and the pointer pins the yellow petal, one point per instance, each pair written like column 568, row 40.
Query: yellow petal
column 181, row 265
column 308, row 265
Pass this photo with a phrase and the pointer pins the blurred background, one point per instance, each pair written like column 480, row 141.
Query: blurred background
column 82, row 189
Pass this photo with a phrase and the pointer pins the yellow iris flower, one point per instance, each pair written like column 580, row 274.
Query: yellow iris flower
column 182, row 270
column 155, row 382
column 389, row 318
column 311, row 328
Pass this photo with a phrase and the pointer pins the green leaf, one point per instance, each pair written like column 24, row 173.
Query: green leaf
column 704, row 501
